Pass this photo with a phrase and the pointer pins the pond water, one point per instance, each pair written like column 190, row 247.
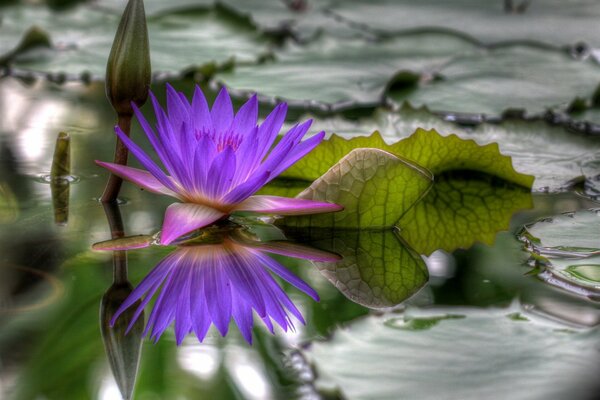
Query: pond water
column 472, row 322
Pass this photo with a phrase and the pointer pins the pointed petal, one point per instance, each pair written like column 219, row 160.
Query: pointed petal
column 220, row 174
column 268, row 131
column 142, row 178
column 285, row 206
column 287, row 275
column 296, row 250
column 218, row 295
column 297, row 153
column 145, row 160
column 242, row 315
column 222, row 112
column 242, row 191
column 201, row 113
column 246, row 117
column 182, row 218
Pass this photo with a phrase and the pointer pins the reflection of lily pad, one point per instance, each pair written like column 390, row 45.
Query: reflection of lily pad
column 374, row 187
column 459, row 211
column 82, row 38
column 330, row 70
column 378, row 358
column 524, row 77
column 377, row 270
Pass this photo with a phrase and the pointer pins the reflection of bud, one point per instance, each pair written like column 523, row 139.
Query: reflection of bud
column 128, row 70
column 122, row 347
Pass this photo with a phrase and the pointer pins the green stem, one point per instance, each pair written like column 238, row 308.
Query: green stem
column 113, row 186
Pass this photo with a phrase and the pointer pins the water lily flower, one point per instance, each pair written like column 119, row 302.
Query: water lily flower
column 215, row 161
column 212, row 283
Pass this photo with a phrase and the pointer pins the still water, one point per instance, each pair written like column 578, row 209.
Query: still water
column 391, row 322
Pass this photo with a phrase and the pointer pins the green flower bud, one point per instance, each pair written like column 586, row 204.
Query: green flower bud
column 128, row 72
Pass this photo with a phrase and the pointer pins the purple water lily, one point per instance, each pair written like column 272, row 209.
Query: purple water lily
column 216, row 161
column 213, row 283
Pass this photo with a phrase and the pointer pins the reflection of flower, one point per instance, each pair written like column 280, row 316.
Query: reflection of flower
column 216, row 160
column 211, row 283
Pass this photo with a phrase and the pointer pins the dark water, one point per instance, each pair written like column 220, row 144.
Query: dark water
column 52, row 283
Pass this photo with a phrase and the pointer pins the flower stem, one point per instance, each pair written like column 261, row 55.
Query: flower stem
column 113, row 186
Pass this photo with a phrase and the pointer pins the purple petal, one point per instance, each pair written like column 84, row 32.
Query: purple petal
column 218, row 294
column 242, row 278
column 201, row 114
column 222, row 112
column 248, row 188
column 285, row 206
column 142, row 178
column 296, row 250
column 177, row 111
column 182, row 218
column 287, row 276
column 298, row 152
column 245, row 119
column 145, row 160
column 268, row 131
column 149, row 284
column 220, row 175
column 200, row 316
column 242, row 315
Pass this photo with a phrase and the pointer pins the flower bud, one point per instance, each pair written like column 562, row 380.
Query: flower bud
column 128, row 72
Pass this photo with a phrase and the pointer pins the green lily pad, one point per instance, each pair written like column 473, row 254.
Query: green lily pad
column 386, row 358
column 429, row 149
column 333, row 71
column 375, row 188
column 572, row 234
column 459, row 211
column 553, row 22
column 82, row 37
column 578, row 276
column 377, row 269
column 519, row 76
column 556, row 157
column 566, row 249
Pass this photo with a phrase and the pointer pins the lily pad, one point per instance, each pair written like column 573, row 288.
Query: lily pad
column 377, row 269
column 459, row 211
column 385, row 358
column 556, row 157
column 428, row 149
column 375, row 188
column 520, row 76
column 82, row 38
column 346, row 72
column 487, row 21
column 572, row 234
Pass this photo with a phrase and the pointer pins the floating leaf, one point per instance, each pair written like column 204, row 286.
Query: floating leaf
column 426, row 148
column 566, row 249
column 375, row 187
column 487, row 21
column 558, row 158
column 572, row 234
column 469, row 354
column 377, row 269
column 512, row 77
column 82, row 39
column 329, row 70
column 459, row 211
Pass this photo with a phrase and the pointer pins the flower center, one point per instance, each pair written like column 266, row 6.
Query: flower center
column 222, row 140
